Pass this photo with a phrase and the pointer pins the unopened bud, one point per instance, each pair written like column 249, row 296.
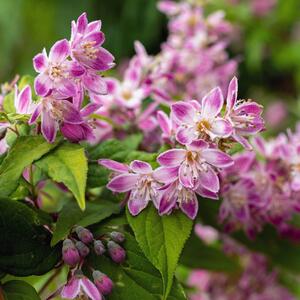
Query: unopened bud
column 84, row 234
column 116, row 252
column 70, row 253
column 102, row 282
column 118, row 237
column 83, row 249
column 99, row 247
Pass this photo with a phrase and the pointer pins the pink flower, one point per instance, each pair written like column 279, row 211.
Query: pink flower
column 86, row 42
column 23, row 100
column 195, row 165
column 245, row 117
column 201, row 122
column 54, row 113
column 136, row 179
column 80, row 285
column 55, row 71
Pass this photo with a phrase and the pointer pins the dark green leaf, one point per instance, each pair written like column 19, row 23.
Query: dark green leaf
column 162, row 239
column 25, row 243
column 71, row 215
column 19, row 290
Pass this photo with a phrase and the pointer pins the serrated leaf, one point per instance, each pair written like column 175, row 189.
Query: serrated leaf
column 162, row 239
column 71, row 215
column 25, row 243
column 136, row 279
column 68, row 165
column 19, row 290
column 25, row 151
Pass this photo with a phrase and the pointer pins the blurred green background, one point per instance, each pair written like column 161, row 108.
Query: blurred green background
column 267, row 47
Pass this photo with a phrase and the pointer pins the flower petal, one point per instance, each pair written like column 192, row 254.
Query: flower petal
column 66, row 88
column 166, row 174
column 123, row 183
column 232, row 94
column 23, row 100
column 40, row 62
column 209, row 180
column 140, row 167
column 82, row 23
column 183, row 112
column 185, row 176
column 70, row 113
column 206, row 193
column 171, row 158
column 217, row 158
column 185, row 135
column 95, row 83
column 221, row 128
column 59, row 51
column 42, row 85
column 212, row 103
column 90, row 289
column 71, row 289
column 113, row 165
column 197, row 145
column 190, row 206
column 49, row 127
column 168, row 200
column 35, row 114
column 89, row 109
column 135, row 206
column 164, row 122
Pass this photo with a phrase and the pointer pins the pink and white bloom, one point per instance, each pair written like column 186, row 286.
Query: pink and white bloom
column 244, row 116
column 196, row 164
column 53, row 114
column 203, row 121
column 78, row 286
column 23, row 101
column 136, row 179
column 55, row 71
column 86, row 42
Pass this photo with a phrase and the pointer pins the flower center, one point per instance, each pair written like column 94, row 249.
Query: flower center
column 203, row 126
column 89, row 50
column 126, row 94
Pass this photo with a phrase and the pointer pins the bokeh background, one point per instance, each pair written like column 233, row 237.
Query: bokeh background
column 267, row 45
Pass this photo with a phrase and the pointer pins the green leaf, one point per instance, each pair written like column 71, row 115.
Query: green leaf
column 25, row 151
column 19, row 290
column 68, row 165
column 25, row 243
column 209, row 257
column 71, row 215
column 162, row 239
column 8, row 103
column 136, row 279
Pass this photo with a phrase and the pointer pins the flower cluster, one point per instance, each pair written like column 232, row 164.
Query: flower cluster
column 75, row 249
column 264, row 188
column 199, row 132
column 255, row 281
column 66, row 75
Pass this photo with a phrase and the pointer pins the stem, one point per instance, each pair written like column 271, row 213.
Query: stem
column 50, row 279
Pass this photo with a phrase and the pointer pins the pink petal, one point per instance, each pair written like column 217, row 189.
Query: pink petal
column 49, row 127
column 123, row 183
column 90, row 289
column 164, row 122
column 95, row 83
column 23, row 100
column 209, row 180
column 186, row 176
column 221, row 128
column 35, row 114
column 113, row 165
column 97, row 38
column 59, row 51
column 190, row 207
column 42, row 85
column 183, row 112
column 71, row 289
column 212, row 103
column 40, row 62
column 171, row 158
column 90, row 109
column 66, row 88
column 232, row 94
column 243, row 141
column 140, row 167
column 135, row 206
column 197, row 145
column 104, row 60
column 75, row 69
column 82, row 23
column 206, row 193
column 70, row 113
column 217, row 158
column 166, row 174
column 168, row 200
column 94, row 26
column 249, row 108
column 185, row 135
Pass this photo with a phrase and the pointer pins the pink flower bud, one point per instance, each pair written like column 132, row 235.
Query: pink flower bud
column 84, row 234
column 70, row 253
column 116, row 252
column 83, row 249
column 102, row 282
column 117, row 237
column 99, row 247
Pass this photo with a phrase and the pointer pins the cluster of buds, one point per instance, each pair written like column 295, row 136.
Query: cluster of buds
column 198, row 131
column 265, row 188
column 76, row 248
column 255, row 280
